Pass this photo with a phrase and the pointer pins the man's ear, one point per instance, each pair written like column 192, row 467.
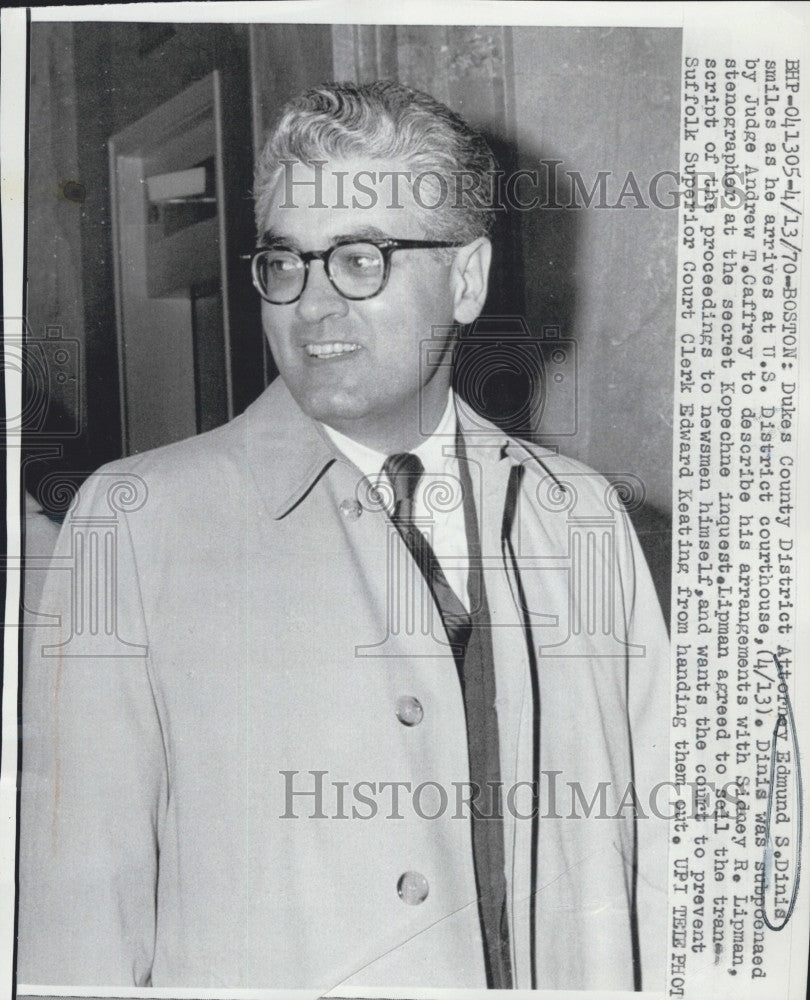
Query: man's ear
column 469, row 278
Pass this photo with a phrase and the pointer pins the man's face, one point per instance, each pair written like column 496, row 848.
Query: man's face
column 355, row 365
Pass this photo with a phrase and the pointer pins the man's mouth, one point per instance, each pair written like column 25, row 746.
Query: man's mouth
column 330, row 350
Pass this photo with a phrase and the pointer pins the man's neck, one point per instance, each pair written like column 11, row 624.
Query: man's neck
column 405, row 433
column 369, row 458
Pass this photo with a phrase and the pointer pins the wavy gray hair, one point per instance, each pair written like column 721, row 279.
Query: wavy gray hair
column 387, row 120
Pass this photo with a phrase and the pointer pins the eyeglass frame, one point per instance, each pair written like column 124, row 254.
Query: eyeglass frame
column 386, row 248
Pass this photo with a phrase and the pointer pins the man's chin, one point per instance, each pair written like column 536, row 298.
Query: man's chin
column 336, row 411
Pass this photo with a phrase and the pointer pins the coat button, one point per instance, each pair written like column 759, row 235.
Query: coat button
column 351, row 509
column 412, row 888
column 409, row 710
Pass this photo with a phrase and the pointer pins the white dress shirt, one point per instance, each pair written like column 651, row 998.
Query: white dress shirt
column 438, row 508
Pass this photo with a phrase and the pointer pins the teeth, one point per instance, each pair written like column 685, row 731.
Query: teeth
column 325, row 350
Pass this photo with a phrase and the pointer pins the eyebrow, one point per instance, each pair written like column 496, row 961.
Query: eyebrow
column 272, row 238
column 365, row 233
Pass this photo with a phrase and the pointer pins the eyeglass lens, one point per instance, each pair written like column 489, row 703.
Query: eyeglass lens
column 356, row 269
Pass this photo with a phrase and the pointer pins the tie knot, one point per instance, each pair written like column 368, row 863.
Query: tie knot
column 404, row 471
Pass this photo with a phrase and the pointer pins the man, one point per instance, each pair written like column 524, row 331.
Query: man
column 322, row 725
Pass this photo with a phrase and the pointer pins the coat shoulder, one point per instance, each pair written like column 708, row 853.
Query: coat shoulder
column 182, row 470
column 214, row 461
column 550, row 467
column 552, row 462
column 559, row 483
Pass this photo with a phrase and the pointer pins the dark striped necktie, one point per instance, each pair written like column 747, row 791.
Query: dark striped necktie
column 470, row 639
column 404, row 471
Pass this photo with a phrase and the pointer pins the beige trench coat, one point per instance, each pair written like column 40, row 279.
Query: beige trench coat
column 240, row 609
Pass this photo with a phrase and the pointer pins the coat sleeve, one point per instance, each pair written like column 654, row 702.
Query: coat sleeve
column 648, row 706
column 93, row 778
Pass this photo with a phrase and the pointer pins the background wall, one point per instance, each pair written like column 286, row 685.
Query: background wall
column 88, row 81
column 607, row 99
column 56, row 296
column 602, row 99
column 593, row 99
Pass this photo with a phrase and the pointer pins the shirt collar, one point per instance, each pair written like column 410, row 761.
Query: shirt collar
column 431, row 451
column 288, row 452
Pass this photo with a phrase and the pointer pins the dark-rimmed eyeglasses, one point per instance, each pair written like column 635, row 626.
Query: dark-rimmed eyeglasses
column 357, row 269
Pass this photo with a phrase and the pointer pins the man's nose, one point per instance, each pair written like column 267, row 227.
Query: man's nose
column 319, row 298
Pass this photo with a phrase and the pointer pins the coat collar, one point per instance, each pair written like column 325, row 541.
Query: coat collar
column 288, row 452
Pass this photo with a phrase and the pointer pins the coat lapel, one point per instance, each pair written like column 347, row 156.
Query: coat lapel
column 289, row 455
